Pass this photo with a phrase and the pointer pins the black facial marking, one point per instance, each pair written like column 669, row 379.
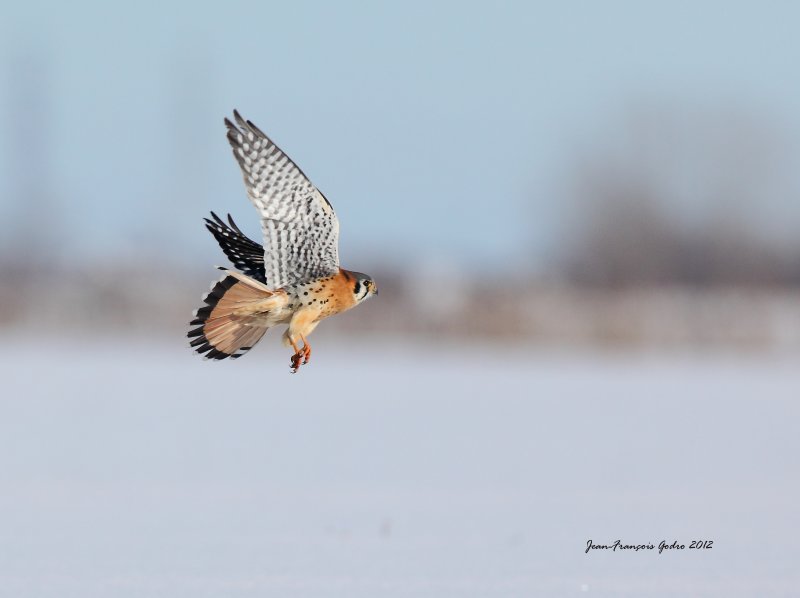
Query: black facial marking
column 357, row 287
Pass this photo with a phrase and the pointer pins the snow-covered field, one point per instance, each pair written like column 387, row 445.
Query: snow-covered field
column 394, row 470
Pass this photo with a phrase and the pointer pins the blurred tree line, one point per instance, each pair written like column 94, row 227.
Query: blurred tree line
column 685, row 197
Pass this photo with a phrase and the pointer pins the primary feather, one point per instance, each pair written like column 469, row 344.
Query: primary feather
column 242, row 251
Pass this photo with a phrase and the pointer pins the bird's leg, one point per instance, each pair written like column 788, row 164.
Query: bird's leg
column 297, row 357
column 306, row 350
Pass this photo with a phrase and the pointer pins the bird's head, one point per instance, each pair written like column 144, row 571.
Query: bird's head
column 363, row 286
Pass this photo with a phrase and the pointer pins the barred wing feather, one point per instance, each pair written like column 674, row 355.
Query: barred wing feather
column 241, row 250
column 301, row 231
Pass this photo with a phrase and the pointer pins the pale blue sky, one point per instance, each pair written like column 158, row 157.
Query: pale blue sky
column 445, row 128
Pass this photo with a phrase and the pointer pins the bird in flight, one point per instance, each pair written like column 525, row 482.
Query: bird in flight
column 294, row 278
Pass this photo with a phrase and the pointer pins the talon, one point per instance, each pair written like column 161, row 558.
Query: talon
column 296, row 361
column 301, row 356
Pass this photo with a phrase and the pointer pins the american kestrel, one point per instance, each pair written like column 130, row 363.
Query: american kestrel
column 294, row 278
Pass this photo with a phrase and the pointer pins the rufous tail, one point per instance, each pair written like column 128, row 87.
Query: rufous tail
column 234, row 317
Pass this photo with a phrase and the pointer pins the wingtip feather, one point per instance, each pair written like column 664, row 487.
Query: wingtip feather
column 238, row 118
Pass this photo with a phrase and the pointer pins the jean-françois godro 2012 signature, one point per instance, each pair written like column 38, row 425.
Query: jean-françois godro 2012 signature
column 661, row 546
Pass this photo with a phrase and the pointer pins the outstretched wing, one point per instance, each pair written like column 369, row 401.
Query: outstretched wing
column 242, row 251
column 301, row 231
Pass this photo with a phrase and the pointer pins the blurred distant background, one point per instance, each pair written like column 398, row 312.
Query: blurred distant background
column 605, row 172
column 583, row 218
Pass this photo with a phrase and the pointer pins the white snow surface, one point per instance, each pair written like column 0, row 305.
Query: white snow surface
column 394, row 469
